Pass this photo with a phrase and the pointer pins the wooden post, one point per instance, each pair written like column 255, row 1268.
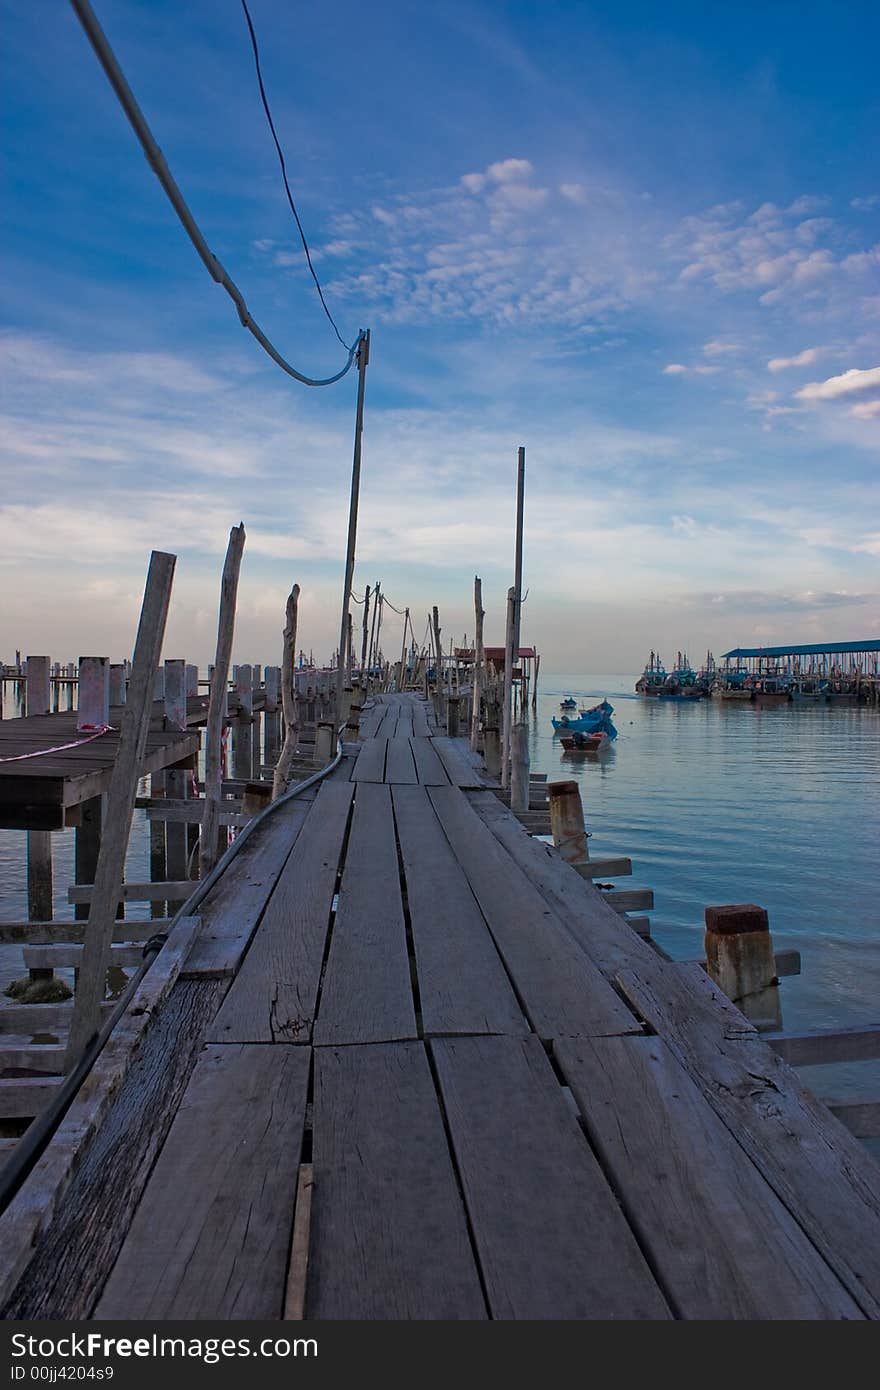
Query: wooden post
column 519, row 768
column 507, row 708
column 175, row 694
column 492, row 750
column 517, row 572
column 438, row 666
column 192, row 680
column 363, row 357
column 244, row 689
column 741, row 961
column 120, row 806
column 452, row 706
column 208, row 843
column 567, row 821
column 364, row 641
column 93, row 698
column 272, row 688
column 535, row 686
column 37, row 700
column 479, row 659
column 377, row 606
column 324, row 738
column 402, row 678
column 117, row 684
column 281, row 775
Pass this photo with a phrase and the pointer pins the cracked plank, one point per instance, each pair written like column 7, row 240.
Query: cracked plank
column 273, row 996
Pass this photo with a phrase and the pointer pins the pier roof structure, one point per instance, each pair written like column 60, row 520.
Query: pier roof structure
column 806, row 649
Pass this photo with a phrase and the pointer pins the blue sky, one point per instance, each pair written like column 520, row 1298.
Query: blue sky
column 643, row 241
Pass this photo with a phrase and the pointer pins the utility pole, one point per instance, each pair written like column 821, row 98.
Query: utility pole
column 363, row 357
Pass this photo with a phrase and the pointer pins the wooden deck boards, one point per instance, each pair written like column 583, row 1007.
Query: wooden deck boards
column 367, row 995
column 463, row 986
column 212, row 1233
column 520, row 1147
column 552, row 1240
column 389, row 1236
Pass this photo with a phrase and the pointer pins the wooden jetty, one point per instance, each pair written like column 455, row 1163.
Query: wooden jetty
column 408, row 1063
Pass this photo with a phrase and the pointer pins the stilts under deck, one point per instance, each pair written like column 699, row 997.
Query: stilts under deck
column 414, row 1067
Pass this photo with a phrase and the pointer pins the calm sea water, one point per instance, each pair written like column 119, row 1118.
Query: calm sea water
column 714, row 803
column 722, row 802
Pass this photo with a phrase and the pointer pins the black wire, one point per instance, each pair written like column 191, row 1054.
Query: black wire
column 284, row 173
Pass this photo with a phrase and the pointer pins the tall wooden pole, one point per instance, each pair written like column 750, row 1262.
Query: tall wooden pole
column 479, row 658
column 507, row 711
column 400, row 678
column 438, row 670
column 134, row 728
column 517, row 575
column 363, row 357
column 217, row 700
column 364, row 643
column 281, row 775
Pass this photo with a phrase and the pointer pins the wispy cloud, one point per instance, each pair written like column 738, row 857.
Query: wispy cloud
column 853, row 382
column 800, row 359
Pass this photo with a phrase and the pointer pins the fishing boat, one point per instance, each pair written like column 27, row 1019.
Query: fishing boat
column 597, row 719
column 569, row 703
column 586, row 743
column 689, row 696
column 653, row 678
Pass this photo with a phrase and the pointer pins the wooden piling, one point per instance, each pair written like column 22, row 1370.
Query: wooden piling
column 93, row 693
column 208, row 844
column 281, row 775
column 507, row 706
column 741, row 961
column 519, row 768
column 117, row 684
column 567, row 821
column 479, row 663
column 325, row 735
column 492, row 750
column 452, row 708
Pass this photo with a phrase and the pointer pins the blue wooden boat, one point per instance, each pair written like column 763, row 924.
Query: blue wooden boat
column 595, row 720
column 569, row 703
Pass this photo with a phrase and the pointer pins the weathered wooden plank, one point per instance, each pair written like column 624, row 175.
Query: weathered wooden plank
column 135, row 892
column 211, row 1235
column 273, row 996
column 37, row 1057
column 366, row 994
column 389, row 1236
column 233, row 907
column 816, row 1046
column 823, row 1175
column 66, row 933
column 458, row 761
column 598, row 929
column 22, row 1097
column 404, row 727
column 463, row 986
column 400, row 769
column 561, row 990
column 28, row 1020
column 429, row 769
column 69, row 956
column 722, row 1243
column 551, row 1238
column 370, row 765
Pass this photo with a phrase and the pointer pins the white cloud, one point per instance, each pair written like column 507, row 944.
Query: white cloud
column 849, row 383
column 474, row 183
column 679, row 369
column 574, row 192
column 866, row 204
column 509, row 170
column 866, row 410
column 720, row 347
column 801, row 359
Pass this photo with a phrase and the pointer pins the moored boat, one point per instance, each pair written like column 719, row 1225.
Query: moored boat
column 652, row 679
column 585, row 743
column 597, row 719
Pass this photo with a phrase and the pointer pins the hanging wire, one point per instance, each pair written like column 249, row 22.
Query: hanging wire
column 398, row 611
column 156, row 161
column 265, row 99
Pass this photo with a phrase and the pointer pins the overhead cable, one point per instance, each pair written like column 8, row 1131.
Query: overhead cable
column 265, row 99
column 156, row 161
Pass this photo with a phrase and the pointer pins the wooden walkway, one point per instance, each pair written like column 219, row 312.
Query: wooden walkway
column 415, row 1068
